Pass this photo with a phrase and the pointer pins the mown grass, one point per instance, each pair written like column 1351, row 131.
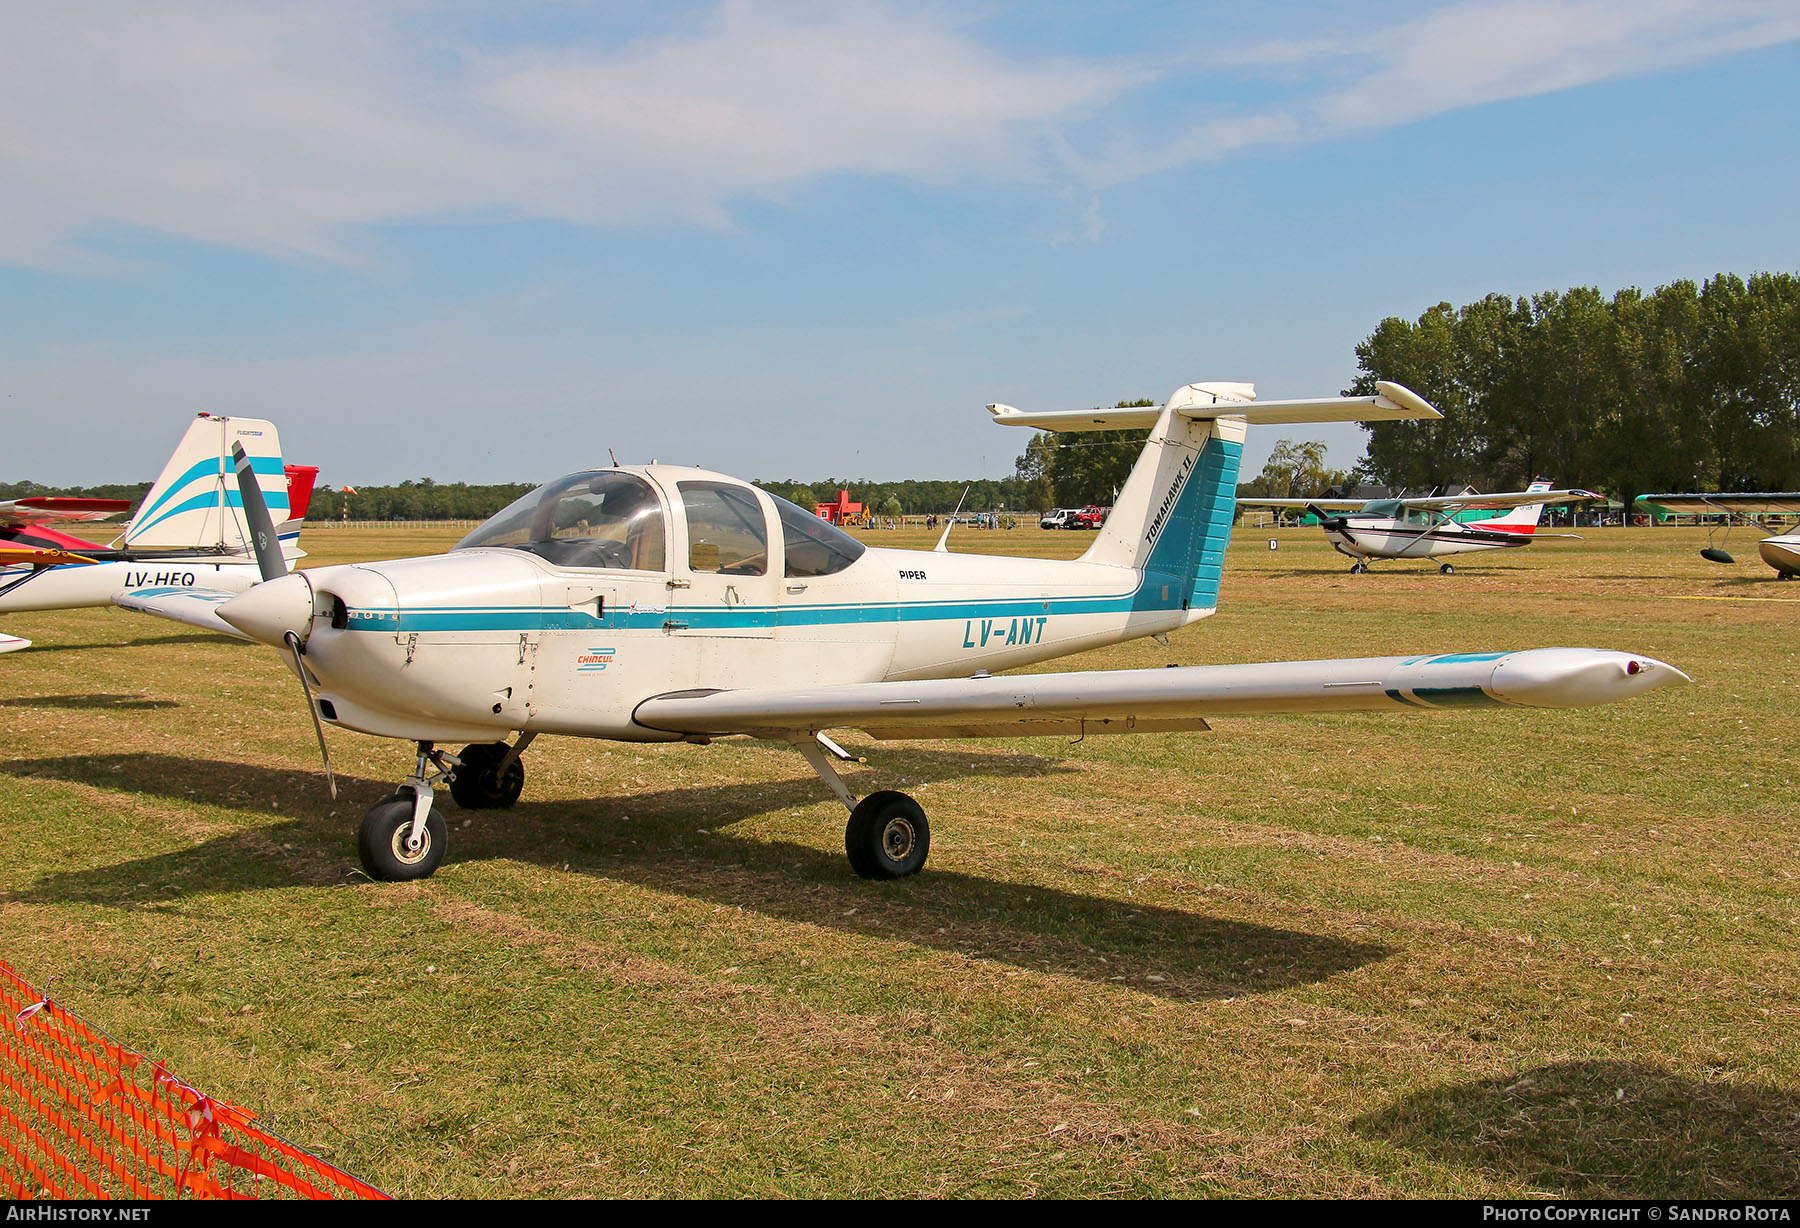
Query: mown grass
column 1468, row 954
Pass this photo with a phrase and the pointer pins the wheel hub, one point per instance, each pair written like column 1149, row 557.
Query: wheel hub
column 897, row 839
column 403, row 848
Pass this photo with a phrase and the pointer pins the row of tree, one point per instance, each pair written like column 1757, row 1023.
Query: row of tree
column 1688, row 387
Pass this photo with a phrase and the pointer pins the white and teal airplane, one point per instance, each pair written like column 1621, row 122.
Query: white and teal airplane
column 189, row 532
column 665, row 604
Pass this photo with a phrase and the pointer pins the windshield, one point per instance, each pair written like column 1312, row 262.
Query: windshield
column 601, row 518
column 814, row 546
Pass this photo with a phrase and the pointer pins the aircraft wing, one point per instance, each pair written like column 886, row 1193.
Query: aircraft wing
column 1742, row 504
column 197, row 607
column 12, row 643
column 49, row 509
column 1160, row 700
column 1324, row 505
column 1499, row 502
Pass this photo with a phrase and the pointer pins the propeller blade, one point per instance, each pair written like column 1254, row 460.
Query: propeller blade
column 1334, row 523
column 256, row 513
column 293, row 643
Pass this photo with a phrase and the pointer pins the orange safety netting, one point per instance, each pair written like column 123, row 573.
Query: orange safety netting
column 81, row 1116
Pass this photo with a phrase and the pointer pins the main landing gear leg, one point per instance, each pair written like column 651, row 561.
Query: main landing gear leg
column 403, row 837
column 887, row 835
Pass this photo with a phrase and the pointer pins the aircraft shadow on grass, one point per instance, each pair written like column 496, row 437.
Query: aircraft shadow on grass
column 671, row 840
column 1608, row 1129
column 123, row 703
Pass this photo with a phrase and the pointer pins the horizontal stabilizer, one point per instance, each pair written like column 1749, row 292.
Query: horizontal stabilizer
column 1139, row 700
column 12, row 643
column 1204, row 401
column 197, row 607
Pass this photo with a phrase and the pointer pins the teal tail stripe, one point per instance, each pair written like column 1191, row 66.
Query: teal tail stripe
column 1189, row 557
column 212, row 469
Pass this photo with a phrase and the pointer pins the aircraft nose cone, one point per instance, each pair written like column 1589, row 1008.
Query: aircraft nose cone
column 270, row 610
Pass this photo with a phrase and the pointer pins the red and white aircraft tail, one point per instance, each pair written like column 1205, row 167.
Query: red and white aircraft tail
column 1523, row 519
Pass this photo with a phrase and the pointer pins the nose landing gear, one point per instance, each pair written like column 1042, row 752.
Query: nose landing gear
column 403, row 837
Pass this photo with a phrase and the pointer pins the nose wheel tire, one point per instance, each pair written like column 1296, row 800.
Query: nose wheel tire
column 887, row 836
column 1357, row 568
column 381, row 841
column 478, row 785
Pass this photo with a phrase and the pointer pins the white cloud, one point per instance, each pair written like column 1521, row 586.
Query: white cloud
column 286, row 129
column 279, row 128
column 1478, row 52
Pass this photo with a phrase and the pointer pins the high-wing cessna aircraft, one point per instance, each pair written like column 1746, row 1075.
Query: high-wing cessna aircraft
column 664, row 604
column 1425, row 527
column 188, row 533
column 1782, row 551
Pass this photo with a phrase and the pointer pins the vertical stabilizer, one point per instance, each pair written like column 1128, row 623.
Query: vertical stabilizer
column 195, row 502
column 1523, row 519
column 1173, row 517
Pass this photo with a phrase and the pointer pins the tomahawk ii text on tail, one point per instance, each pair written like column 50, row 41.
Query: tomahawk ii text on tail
column 188, row 534
column 661, row 604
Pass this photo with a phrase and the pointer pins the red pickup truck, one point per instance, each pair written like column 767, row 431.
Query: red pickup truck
column 1089, row 517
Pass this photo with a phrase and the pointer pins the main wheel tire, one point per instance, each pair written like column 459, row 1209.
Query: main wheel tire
column 887, row 836
column 477, row 786
column 1357, row 568
column 381, row 841
column 1444, row 569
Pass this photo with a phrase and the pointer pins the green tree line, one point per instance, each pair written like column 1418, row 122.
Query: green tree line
column 1687, row 387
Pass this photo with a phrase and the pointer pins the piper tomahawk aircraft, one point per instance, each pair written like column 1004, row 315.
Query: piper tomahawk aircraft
column 1782, row 551
column 664, row 604
column 1425, row 527
column 188, row 533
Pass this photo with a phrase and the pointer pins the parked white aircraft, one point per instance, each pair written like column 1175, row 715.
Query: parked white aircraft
column 1425, row 527
column 1781, row 551
column 188, row 533
column 664, row 604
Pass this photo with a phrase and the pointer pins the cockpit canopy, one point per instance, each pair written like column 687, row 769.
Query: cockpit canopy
column 600, row 518
column 605, row 518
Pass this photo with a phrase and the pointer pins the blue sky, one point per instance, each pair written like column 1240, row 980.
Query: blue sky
column 807, row 239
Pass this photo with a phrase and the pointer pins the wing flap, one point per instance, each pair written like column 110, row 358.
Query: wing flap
column 196, row 607
column 1143, row 700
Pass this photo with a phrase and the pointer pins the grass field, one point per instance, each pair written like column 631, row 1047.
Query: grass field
column 1469, row 954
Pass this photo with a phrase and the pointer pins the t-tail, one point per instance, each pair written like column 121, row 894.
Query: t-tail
column 195, row 503
column 1172, row 519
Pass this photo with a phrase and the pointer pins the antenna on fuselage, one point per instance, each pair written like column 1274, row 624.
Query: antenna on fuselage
column 943, row 546
column 615, row 457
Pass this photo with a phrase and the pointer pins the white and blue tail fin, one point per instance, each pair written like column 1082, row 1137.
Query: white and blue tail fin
column 195, row 503
column 1172, row 519
column 1524, row 518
